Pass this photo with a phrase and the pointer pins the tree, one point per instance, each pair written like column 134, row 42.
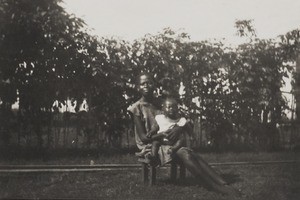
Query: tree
column 42, row 54
column 290, row 43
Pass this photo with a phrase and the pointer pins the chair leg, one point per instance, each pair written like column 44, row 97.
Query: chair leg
column 145, row 173
column 173, row 171
column 182, row 171
column 152, row 175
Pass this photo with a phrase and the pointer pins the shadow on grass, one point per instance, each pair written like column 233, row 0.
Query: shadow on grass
column 231, row 178
column 188, row 181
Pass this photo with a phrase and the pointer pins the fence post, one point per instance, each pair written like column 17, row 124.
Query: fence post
column 297, row 88
column 297, row 98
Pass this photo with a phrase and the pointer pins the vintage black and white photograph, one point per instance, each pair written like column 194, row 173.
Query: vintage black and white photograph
column 150, row 99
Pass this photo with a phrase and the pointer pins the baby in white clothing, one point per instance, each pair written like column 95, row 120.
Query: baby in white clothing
column 167, row 123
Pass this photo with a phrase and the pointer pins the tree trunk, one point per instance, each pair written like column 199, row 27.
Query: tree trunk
column 265, row 115
column 127, row 137
column 78, row 129
column 49, row 131
column 38, row 131
column 56, row 136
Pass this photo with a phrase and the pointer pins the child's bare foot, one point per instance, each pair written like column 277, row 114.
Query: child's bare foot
column 142, row 153
column 145, row 158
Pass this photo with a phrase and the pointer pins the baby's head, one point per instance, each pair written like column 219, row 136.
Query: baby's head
column 170, row 107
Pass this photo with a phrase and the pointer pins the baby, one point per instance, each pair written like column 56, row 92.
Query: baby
column 167, row 122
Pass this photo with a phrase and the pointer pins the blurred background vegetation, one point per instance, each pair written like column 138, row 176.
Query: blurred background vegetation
column 48, row 59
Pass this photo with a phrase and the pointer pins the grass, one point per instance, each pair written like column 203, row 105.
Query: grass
column 278, row 182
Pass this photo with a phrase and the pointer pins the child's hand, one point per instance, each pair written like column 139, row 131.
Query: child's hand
column 167, row 132
column 149, row 134
column 170, row 151
column 174, row 133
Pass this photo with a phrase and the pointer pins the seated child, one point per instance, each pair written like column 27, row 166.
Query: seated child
column 166, row 122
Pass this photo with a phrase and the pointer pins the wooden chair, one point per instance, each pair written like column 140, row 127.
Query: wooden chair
column 149, row 172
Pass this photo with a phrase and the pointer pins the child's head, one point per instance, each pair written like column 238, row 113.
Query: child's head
column 145, row 84
column 170, row 107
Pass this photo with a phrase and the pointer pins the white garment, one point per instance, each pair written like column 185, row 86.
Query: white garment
column 165, row 123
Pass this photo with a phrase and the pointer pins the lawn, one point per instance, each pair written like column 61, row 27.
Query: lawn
column 278, row 181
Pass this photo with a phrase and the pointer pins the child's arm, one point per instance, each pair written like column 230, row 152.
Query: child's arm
column 153, row 131
column 174, row 133
column 158, row 136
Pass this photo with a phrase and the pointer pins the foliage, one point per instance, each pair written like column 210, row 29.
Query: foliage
column 245, row 28
column 47, row 55
column 240, row 86
column 44, row 52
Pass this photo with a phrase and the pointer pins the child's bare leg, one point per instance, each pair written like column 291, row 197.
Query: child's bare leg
column 155, row 148
column 152, row 157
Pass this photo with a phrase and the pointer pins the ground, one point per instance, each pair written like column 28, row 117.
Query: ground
column 276, row 181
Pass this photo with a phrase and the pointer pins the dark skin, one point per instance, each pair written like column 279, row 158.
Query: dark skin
column 146, row 88
column 170, row 110
column 195, row 164
column 158, row 141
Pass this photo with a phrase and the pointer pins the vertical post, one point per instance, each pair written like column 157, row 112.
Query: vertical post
column 173, row 170
column 296, row 123
column 182, row 171
column 297, row 88
column 127, row 137
column 145, row 173
column 200, row 131
column 152, row 175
